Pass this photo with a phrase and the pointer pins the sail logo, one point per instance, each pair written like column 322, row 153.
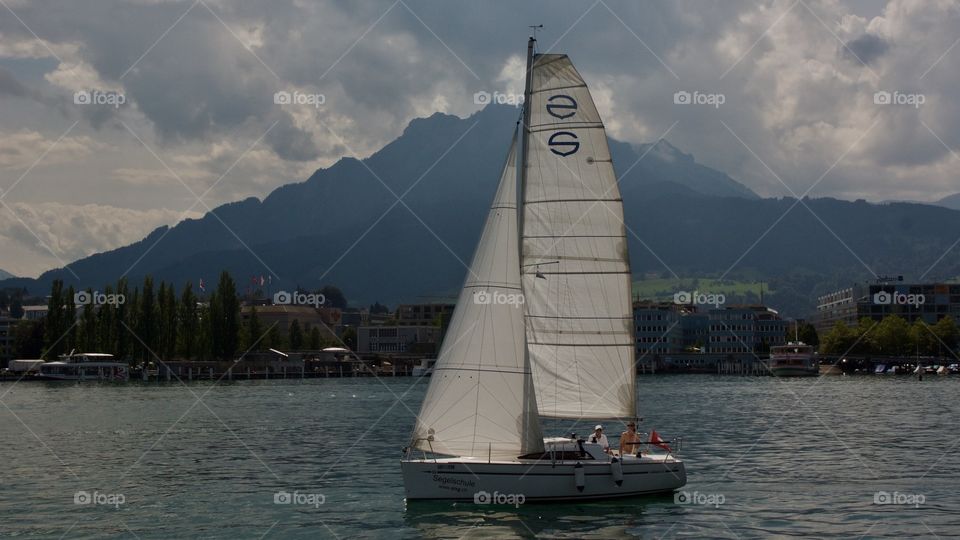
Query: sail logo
column 682, row 97
column 488, row 298
column 561, row 106
column 564, row 143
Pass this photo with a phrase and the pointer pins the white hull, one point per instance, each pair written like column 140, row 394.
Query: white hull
column 469, row 479
column 82, row 378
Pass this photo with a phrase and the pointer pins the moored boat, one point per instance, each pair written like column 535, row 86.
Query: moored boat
column 85, row 367
column 795, row 359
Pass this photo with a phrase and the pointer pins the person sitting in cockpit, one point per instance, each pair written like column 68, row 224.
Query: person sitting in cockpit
column 599, row 438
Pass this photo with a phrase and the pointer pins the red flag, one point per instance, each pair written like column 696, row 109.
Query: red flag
column 202, row 288
column 657, row 441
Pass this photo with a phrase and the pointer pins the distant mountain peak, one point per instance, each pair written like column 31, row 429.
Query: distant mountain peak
column 667, row 149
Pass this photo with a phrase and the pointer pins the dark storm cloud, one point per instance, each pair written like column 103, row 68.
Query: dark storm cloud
column 291, row 143
column 866, row 48
column 9, row 85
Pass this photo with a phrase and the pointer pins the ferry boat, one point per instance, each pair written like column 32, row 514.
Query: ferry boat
column 795, row 359
column 85, row 367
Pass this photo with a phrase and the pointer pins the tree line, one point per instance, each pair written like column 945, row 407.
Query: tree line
column 142, row 324
column 892, row 336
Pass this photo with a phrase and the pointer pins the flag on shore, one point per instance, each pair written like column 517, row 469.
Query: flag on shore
column 657, row 441
column 203, row 288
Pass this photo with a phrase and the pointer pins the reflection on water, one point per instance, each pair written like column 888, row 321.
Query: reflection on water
column 839, row 456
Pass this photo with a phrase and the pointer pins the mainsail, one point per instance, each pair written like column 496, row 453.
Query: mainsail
column 576, row 274
column 480, row 401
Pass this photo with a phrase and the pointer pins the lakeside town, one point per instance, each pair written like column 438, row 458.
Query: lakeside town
column 232, row 332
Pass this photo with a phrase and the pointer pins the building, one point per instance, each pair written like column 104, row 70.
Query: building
column 667, row 328
column 838, row 306
column 929, row 302
column 658, row 327
column 750, row 329
column 326, row 319
column 8, row 337
column 423, row 314
column 35, row 313
column 398, row 339
column 355, row 317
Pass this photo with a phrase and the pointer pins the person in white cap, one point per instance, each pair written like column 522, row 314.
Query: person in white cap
column 599, row 438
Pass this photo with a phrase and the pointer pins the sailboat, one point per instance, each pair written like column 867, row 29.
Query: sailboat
column 543, row 326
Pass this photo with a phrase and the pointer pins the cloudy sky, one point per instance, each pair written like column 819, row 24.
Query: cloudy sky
column 119, row 116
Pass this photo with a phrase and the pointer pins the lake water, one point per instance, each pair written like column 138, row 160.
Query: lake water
column 773, row 457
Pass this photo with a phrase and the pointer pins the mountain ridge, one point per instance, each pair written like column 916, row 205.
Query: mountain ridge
column 344, row 225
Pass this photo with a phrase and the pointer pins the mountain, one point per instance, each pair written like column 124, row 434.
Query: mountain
column 345, row 226
column 950, row 201
column 5, row 275
column 663, row 162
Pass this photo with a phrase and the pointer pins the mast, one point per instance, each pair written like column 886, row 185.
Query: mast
column 529, row 392
column 524, row 139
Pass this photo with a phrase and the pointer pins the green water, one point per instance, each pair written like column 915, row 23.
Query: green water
column 781, row 457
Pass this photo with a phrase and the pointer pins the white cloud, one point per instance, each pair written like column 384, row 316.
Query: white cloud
column 73, row 231
column 21, row 149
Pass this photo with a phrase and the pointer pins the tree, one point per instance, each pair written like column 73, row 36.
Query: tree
column 379, row 308
column 253, row 332
column 893, row 336
column 274, row 339
column 167, row 322
column 295, row 335
column 70, row 319
column 55, row 327
column 333, row 297
column 188, row 323
column 130, row 326
column 204, row 342
column 808, row 334
column 146, row 326
column 314, row 339
column 349, row 338
column 946, row 332
column 922, row 339
column 121, row 335
column 16, row 308
column 106, row 324
column 29, row 339
column 838, row 340
column 88, row 327
column 225, row 318
column 866, row 336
